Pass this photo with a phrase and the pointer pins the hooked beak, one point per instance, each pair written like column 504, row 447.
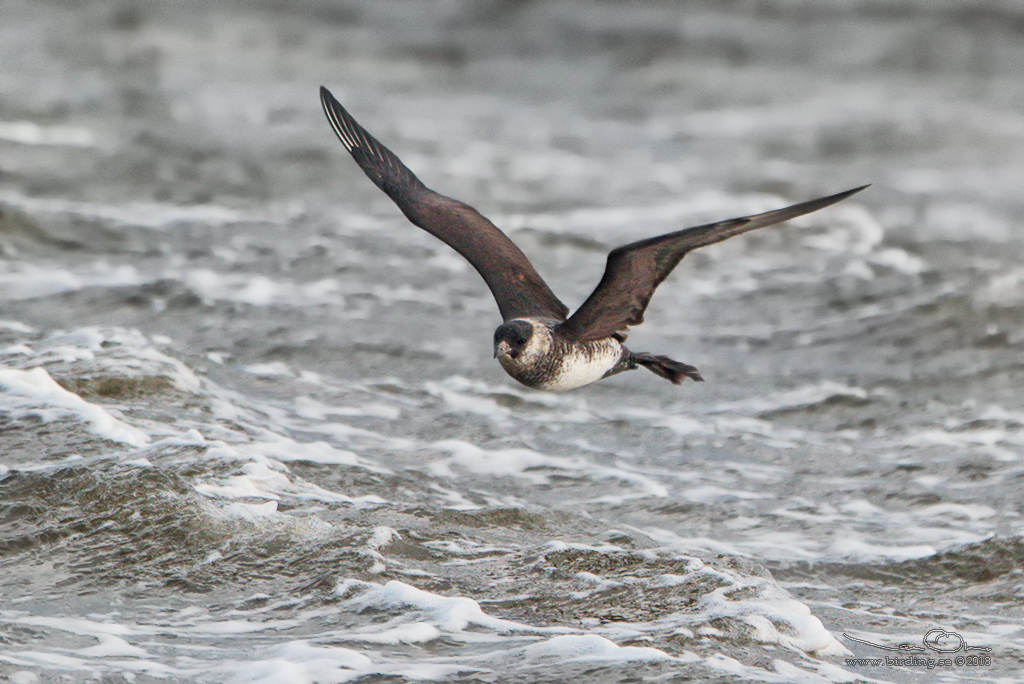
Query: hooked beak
column 502, row 348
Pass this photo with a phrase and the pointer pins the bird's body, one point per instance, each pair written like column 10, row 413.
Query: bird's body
column 539, row 344
column 549, row 363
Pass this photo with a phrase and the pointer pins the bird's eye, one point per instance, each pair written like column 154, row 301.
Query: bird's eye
column 521, row 340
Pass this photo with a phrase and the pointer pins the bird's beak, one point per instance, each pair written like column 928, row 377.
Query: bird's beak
column 502, row 347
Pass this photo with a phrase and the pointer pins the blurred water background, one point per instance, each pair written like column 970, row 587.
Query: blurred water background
column 251, row 429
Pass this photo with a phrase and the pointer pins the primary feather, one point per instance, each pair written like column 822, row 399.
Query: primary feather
column 635, row 270
column 517, row 287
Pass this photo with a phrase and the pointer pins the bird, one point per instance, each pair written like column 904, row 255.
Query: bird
column 538, row 343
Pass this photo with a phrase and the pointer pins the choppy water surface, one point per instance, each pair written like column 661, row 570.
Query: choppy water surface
column 251, row 429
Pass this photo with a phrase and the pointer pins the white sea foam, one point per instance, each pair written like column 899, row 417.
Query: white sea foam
column 449, row 614
column 807, row 395
column 128, row 353
column 112, row 646
column 775, row 617
column 250, row 512
column 302, row 662
column 589, row 648
column 218, row 627
column 259, row 290
column 266, row 479
column 969, row 438
column 258, row 480
column 24, row 677
column 16, row 326
column 416, row 617
column 21, row 280
column 234, row 406
column 116, row 351
column 464, row 395
column 898, row 260
column 858, row 549
column 286, row 449
column 307, row 407
column 274, row 368
column 381, row 537
column 31, row 133
column 467, row 403
column 768, row 610
column 534, row 466
column 35, row 388
column 139, row 214
column 691, row 544
column 723, row 422
column 971, row 512
column 712, row 493
column 25, row 280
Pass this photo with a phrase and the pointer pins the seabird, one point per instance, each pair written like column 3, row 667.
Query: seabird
column 539, row 343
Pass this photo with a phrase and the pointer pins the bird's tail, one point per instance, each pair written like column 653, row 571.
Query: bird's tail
column 673, row 371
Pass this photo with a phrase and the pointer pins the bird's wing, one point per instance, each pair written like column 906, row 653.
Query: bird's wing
column 515, row 284
column 635, row 270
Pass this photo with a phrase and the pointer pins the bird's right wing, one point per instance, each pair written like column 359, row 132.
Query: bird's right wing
column 635, row 270
column 517, row 287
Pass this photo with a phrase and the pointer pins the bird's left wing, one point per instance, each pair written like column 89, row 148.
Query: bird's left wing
column 517, row 287
column 634, row 271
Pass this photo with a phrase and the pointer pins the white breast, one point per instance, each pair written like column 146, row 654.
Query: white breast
column 580, row 368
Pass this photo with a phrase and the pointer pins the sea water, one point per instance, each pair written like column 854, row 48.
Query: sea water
column 251, row 429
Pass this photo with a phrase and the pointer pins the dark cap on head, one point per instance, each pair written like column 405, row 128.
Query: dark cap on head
column 516, row 334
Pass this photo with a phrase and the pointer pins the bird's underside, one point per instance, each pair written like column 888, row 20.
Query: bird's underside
column 539, row 343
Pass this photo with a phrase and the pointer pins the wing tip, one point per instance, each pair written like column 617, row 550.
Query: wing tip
column 839, row 196
column 328, row 100
column 340, row 120
column 803, row 208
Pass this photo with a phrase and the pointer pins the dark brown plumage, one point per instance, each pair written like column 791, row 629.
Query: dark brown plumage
column 554, row 352
column 515, row 284
column 635, row 270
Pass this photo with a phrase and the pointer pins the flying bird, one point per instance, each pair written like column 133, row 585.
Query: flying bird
column 539, row 343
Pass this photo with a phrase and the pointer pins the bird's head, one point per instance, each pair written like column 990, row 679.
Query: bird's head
column 512, row 339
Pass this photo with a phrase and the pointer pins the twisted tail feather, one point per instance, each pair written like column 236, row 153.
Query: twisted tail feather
column 673, row 371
